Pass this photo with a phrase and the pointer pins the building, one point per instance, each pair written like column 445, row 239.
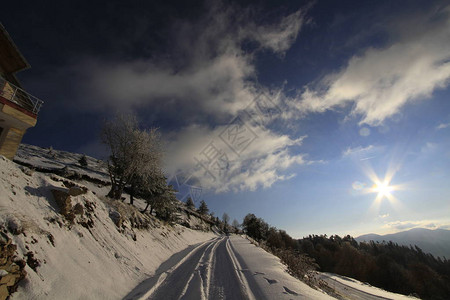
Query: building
column 18, row 109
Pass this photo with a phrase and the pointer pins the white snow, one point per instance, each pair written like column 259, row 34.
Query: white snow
column 267, row 269
column 95, row 263
column 365, row 287
column 55, row 160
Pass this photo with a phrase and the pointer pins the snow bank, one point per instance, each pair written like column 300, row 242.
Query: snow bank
column 79, row 262
column 367, row 288
column 271, row 275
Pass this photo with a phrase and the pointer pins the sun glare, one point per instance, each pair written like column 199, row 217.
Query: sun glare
column 383, row 189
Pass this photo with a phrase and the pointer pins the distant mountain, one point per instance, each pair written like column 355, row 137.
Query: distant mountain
column 436, row 242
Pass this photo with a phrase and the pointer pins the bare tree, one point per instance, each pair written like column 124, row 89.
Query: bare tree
column 135, row 153
column 236, row 224
column 225, row 218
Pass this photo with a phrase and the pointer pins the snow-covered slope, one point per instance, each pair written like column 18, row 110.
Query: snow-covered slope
column 94, row 175
column 90, row 258
column 61, row 161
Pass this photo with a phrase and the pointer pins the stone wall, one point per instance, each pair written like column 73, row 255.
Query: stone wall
column 11, row 269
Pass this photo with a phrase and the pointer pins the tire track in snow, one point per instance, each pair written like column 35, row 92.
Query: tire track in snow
column 176, row 283
column 238, row 270
column 199, row 280
column 211, row 270
column 253, row 285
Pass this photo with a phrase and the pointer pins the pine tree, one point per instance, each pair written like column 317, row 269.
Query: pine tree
column 203, row 209
column 190, row 203
column 83, row 161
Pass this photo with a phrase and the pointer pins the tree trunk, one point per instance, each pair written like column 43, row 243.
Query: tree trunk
column 146, row 208
column 115, row 192
column 132, row 190
column 112, row 191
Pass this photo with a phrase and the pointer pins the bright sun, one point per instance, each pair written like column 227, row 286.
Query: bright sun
column 383, row 189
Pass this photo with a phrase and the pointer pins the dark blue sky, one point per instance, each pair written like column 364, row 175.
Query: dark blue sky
column 359, row 86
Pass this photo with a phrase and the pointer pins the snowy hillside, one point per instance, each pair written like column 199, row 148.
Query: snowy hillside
column 87, row 256
column 63, row 162
column 93, row 175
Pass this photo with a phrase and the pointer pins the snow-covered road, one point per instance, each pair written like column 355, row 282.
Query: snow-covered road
column 352, row 289
column 349, row 292
column 223, row 268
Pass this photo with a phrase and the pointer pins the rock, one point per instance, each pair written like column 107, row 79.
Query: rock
column 70, row 217
column 78, row 209
column 51, row 238
column 63, row 201
column 32, row 262
column 12, row 268
column 3, row 238
column 11, row 272
column 27, row 171
column 65, row 172
column 76, row 191
column 4, row 293
column 9, row 279
column 89, row 206
column 14, row 225
column 7, row 253
column 116, row 217
column 21, row 263
column 89, row 223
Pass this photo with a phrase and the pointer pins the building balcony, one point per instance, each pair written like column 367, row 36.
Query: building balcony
column 16, row 97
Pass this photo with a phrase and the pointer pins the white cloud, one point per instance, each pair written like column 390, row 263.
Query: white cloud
column 443, row 126
column 278, row 37
column 217, row 87
column 429, row 147
column 357, row 150
column 265, row 161
column 206, row 67
column 379, row 82
column 405, row 225
column 362, row 153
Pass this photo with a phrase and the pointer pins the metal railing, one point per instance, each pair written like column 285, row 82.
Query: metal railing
column 18, row 96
